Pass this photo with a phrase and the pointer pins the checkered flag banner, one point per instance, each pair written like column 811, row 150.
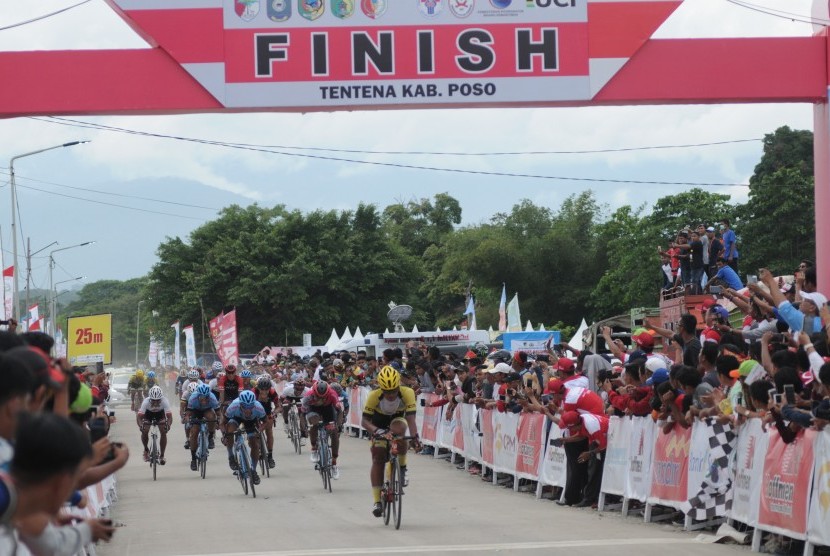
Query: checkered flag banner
column 714, row 497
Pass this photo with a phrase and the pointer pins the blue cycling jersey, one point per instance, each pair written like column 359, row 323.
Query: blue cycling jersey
column 236, row 412
column 202, row 403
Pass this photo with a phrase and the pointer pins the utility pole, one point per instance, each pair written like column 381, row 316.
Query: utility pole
column 28, row 273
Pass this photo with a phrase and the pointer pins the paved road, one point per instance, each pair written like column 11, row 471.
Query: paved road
column 445, row 511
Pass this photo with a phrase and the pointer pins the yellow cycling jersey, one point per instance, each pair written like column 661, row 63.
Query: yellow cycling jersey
column 377, row 405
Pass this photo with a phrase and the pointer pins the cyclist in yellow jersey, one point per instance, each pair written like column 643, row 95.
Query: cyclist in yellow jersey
column 389, row 409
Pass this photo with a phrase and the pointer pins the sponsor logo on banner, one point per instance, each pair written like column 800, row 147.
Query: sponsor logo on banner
column 279, row 10
column 246, row 9
column 311, row 9
column 462, row 8
column 342, row 8
column 431, row 8
column 786, row 485
column 670, row 468
column 373, row 8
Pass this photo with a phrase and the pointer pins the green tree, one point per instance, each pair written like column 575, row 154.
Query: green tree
column 777, row 224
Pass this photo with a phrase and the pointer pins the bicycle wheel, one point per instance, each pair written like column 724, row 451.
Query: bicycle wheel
column 323, row 464
column 249, row 471
column 203, row 453
column 263, row 454
column 397, row 489
column 387, row 495
column 154, row 457
column 241, row 469
column 394, row 477
column 328, row 468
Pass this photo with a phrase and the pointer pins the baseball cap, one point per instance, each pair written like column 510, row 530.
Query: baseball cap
column 337, row 363
column 513, row 377
column 636, row 361
column 654, row 363
column 744, row 370
column 565, row 364
column 568, row 419
column 644, row 340
column 554, row 386
column 710, row 229
column 708, row 302
column 816, row 298
column 720, row 311
column 501, row 368
column 659, row 377
column 636, row 354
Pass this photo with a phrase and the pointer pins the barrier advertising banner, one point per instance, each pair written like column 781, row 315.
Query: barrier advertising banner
column 785, row 492
column 616, row 455
column 554, row 468
column 530, row 436
column 432, row 416
column 751, row 451
column 669, row 476
column 472, row 438
column 505, row 444
column 818, row 524
column 89, row 339
column 354, row 417
column 638, row 481
column 488, row 436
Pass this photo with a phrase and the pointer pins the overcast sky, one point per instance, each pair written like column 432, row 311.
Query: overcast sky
column 196, row 180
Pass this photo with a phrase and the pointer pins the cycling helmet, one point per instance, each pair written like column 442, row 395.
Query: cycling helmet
column 389, row 378
column 263, row 382
column 139, row 373
column 209, row 374
column 296, row 376
column 217, row 366
column 231, row 368
column 245, row 374
column 203, row 390
column 156, row 393
column 321, row 387
column 151, row 374
column 192, row 387
column 501, row 356
column 246, row 398
column 193, row 374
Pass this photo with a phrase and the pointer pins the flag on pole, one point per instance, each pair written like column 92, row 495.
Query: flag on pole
column 189, row 346
column 176, row 346
column 514, row 317
column 32, row 318
column 471, row 310
column 8, row 292
column 502, row 308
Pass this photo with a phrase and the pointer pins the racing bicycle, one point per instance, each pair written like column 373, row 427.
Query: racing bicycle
column 244, row 470
column 391, row 492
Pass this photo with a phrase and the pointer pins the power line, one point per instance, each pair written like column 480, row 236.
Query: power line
column 19, row 177
column 44, row 16
column 91, row 125
column 110, row 204
column 781, row 14
column 421, row 167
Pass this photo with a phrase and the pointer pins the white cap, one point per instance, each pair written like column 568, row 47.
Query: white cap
column 501, row 368
column 816, row 298
column 654, row 363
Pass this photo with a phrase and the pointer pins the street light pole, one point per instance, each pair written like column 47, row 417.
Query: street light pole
column 53, row 290
column 29, row 256
column 137, row 322
column 13, row 188
column 53, row 301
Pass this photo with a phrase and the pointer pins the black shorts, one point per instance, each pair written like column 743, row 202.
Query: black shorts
column 155, row 417
column 326, row 412
column 196, row 414
column 250, row 427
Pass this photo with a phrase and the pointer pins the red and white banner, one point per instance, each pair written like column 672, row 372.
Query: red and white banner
column 223, row 333
column 818, row 524
column 8, row 292
column 317, row 54
column 670, row 470
column 785, row 492
column 432, row 416
column 530, row 435
column 750, row 453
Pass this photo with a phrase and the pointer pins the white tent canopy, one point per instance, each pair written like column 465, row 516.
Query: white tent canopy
column 529, row 327
column 415, row 328
column 541, row 327
column 358, row 335
column 576, row 341
column 333, row 341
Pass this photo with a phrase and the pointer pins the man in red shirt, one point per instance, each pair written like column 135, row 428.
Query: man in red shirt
column 567, row 370
column 594, row 428
column 576, row 399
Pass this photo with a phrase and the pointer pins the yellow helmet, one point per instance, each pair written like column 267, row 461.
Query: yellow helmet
column 389, row 378
column 139, row 373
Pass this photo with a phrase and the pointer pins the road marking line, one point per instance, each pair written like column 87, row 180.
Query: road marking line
column 469, row 547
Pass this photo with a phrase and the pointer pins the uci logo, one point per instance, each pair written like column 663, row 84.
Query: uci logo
column 549, row 3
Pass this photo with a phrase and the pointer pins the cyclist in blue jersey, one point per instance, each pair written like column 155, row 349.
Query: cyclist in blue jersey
column 246, row 411
column 202, row 404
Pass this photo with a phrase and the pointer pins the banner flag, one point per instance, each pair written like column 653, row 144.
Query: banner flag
column 471, row 310
column 153, row 354
column 230, row 344
column 670, row 469
column 8, row 292
column 215, row 326
column 785, row 490
column 189, row 346
column 514, row 317
column 709, row 481
column 817, row 530
column 530, row 437
column 503, row 309
column 751, row 451
column 554, row 465
column 505, row 444
column 615, row 468
column 177, row 355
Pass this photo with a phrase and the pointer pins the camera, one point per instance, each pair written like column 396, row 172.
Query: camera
column 777, row 338
column 423, row 402
column 789, row 394
column 717, row 290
